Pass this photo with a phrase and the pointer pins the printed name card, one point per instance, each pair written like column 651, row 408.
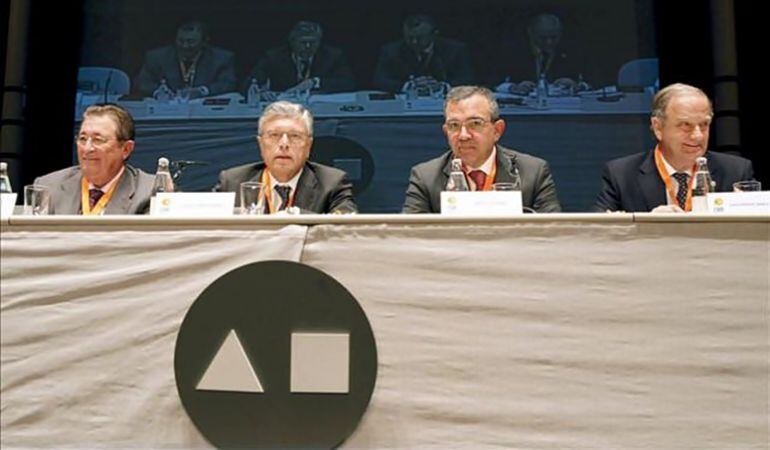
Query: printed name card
column 481, row 203
column 193, row 204
column 739, row 202
column 7, row 203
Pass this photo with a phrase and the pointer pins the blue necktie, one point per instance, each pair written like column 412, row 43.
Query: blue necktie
column 284, row 192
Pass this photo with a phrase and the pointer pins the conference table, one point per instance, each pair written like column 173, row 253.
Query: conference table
column 535, row 331
column 377, row 138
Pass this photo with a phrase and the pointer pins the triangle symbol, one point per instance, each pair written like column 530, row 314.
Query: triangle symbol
column 230, row 369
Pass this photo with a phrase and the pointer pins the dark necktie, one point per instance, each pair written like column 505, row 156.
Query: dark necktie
column 93, row 197
column 284, row 192
column 681, row 194
column 478, row 177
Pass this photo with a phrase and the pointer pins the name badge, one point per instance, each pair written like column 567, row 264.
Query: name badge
column 739, row 202
column 192, row 204
column 7, row 203
column 481, row 203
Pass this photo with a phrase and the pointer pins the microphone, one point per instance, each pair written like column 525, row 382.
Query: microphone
column 107, row 85
column 179, row 165
column 182, row 163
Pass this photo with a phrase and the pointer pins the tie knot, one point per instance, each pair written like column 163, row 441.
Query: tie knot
column 283, row 192
column 478, row 177
column 93, row 196
column 681, row 177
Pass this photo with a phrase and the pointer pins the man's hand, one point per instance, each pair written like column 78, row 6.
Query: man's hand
column 425, row 81
column 192, row 92
column 667, row 209
column 523, row 88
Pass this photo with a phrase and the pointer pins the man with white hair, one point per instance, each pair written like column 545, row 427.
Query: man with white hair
column 661, row 180
column 285, row 136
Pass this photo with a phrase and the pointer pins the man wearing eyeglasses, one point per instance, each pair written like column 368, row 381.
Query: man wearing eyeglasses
column 291, row 182
column 473, row 127
column 103, row 182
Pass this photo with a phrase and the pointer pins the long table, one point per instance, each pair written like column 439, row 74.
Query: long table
column 544, row 331
column 377, row 142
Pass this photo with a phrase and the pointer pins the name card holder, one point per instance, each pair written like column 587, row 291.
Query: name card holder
column 739, row 202
column 7, row 203
column 193, row 204
column 481, row 203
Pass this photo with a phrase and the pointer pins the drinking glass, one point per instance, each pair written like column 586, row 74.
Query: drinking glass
column 252, row 198
column 37, row 199
column 747, row 185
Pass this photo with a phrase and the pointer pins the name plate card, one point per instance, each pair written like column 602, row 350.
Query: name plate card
column 481, row 203
column 739, row 202
column 7, row 203
column 193, row 204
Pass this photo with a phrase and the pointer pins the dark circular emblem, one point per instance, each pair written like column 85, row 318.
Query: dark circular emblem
column 275, row 354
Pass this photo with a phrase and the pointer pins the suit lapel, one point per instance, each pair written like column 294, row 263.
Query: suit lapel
column 70, row 193
column 173, row 74
column 650, row 184
column 717, row 175
column 203, row 67
column 506, row 171
column 120, row 201
column 307, row 190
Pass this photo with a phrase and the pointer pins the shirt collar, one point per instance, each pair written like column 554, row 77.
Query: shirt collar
column 293, row 182
column 486, row 167
column 108, row 186
column 670, row 169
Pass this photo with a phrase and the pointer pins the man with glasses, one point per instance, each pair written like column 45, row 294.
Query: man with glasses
column 285, row 135
column 423, row 58
column 304, row 63
column 473, row 127
column 191, row 67
column 102, row 182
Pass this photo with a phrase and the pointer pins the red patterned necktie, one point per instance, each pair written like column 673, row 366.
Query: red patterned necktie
column 478, row 177
column 93, row 197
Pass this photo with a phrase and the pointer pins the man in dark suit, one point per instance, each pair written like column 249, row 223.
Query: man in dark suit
column 422, row 57
column 191, row 68
column 544, row 56
column 304, row 63
column 102, row 183
column 473, row 127
column 289, row 180
column 660, row 180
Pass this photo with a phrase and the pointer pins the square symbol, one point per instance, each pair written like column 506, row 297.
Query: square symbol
column 320, row 363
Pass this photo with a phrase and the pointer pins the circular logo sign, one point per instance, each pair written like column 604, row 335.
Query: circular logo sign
column 275, row 354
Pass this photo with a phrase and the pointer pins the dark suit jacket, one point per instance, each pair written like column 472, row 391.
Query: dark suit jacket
column 131, row 196
column 215, row 70
column 428, row 179
column 451, row 62
column 329, row 64
column 320, row 189
column 633, row 184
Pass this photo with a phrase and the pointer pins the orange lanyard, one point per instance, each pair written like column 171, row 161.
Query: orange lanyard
column 85, row 205
column 670, row 184
column 269, row 194
column 489, row 180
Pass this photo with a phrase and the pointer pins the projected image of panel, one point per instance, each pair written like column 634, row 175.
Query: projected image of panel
column 197, row 76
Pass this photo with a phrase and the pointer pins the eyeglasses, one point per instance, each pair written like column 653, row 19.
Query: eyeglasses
column 275, row 136
column 473, row 125
column 96, row 141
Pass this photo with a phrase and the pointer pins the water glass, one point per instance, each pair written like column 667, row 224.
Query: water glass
column 37, row 199
column 252, row 198
column 747, row 186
